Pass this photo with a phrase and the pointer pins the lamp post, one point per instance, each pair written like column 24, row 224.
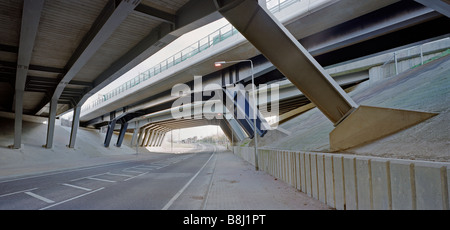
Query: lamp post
column 219, row 64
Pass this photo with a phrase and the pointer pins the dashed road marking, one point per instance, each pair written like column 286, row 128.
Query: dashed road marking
column 135, row 176
column 94, row 178
column 73, row 198
column 131, row 171
column 81, row 178
column 116, row 174
column 12, row 193
column 40, row 197
column 78, row 187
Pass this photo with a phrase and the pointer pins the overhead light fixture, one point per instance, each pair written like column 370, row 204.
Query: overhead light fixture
column 219, row 63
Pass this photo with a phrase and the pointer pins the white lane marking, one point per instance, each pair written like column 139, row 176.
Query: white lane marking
column 138, row 171
column 205, row 202
column 81, row 178
column 159, row 164
column 116, row 174
column 135, row 176
column 12, row 193
column 72, row 170
column 73, row 198
column 147, row 167
column 40, row 197
column 152, row 166
column 94, row 178
column 167, row 206
column 131, row 171
column 78, row 187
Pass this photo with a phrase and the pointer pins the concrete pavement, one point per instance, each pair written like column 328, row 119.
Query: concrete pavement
column 236, row 185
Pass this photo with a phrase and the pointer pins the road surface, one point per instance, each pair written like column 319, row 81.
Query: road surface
column 154, row 183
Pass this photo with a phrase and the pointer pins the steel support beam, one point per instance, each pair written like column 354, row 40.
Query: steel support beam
column 75, row 126
column 110, row 19
column 123, row 130
column 158, row 134
column 441, row 6
column 226, row 129
column 290, row 57
column 162, row 138
column 51, row 123
column 152, row 135
column 359, row 124
column 140, row 136
column 194, row 14
column 156, row 14
column 149, row 137
column 109, row 132
column 243, row 111
column 99, row 33
column 145, row 134
column 144, row 137
column 31, row 15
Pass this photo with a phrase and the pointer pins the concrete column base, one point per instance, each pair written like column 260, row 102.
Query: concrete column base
column 367, row 124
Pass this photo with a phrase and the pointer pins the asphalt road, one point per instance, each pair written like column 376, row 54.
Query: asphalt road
column 145, row 184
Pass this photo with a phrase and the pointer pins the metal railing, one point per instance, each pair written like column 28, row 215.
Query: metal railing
column 201, row 45
column 412, row 57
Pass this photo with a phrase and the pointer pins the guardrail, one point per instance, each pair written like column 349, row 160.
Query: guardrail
column 201, row 45
column 415, row 56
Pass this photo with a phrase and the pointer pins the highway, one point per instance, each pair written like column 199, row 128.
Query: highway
column 154, row 183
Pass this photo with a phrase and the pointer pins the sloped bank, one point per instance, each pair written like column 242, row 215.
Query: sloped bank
column 407, row 170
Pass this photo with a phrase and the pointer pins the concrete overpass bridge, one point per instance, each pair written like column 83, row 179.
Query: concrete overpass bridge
column 390, row 21
column 57, row 69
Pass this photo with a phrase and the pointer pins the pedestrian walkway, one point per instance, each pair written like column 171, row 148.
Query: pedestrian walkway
column 236, row 185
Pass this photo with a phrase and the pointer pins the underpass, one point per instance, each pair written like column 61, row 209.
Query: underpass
column 203, row 178
column 306, row 43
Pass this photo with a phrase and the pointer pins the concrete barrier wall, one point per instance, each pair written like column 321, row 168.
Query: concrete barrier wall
column 349, row 182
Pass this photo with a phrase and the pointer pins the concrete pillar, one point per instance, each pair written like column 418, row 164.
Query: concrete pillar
column 154, row 136
column 51, row 123
column 135, row 136
column 140, row 136
column 158, row 139
column 75, row 125
column 18, row 104
column 145, row 133
column 123, row 130
column 162, row 138
column 151, row 132
column 150, row 136
column 31, row 14
column 158, row 133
